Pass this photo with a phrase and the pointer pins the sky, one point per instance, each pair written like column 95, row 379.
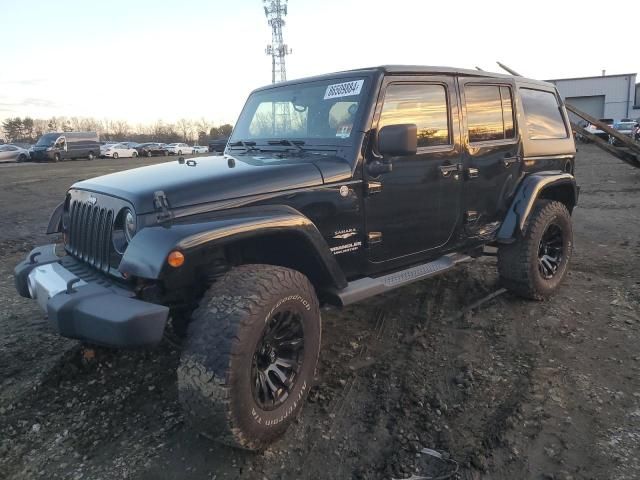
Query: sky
column 149, row 60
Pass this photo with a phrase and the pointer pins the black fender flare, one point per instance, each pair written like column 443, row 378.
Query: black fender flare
column 530, row 189
column 146, row 255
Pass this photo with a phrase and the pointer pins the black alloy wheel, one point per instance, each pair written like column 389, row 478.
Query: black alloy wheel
column 277, row 359
column 550, row 251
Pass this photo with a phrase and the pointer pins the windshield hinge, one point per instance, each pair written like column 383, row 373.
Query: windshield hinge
column 373, row 187
column 161, row 204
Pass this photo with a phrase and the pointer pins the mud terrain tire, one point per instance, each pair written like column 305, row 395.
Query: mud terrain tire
column 220, row 387
column 519, row 263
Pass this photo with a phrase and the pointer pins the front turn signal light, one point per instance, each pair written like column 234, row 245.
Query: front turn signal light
column 175, row 259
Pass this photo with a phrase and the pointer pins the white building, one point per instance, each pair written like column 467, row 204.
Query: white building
column 607, row 96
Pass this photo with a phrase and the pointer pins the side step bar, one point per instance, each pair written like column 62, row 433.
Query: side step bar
column 368, row 286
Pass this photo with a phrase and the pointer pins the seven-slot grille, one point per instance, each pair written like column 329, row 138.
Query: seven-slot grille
column 90, row 231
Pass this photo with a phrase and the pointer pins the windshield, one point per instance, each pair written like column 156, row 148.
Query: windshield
column 47, row 140
column 624, row 126
column 324, row 113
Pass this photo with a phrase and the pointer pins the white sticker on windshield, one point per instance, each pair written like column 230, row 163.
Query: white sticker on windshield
column 346, row 89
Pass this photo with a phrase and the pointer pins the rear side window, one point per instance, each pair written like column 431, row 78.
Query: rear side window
column 422, row 104
column 489, row 112
column 542, row 111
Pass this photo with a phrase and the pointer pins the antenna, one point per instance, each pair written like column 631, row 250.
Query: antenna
column 275, row 10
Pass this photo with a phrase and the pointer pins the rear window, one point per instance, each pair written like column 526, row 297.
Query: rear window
column 489, row 112
column 542, row 111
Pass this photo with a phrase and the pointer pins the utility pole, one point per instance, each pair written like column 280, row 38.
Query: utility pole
column 275, row 11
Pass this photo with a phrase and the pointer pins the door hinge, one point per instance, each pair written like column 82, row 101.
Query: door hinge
column 472, row 172
column 374, row 187
column 374, row 237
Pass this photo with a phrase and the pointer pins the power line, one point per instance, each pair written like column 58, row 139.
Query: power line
column 275, row 11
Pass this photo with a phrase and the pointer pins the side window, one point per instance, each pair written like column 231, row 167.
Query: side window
column 489, row 112
column 542, row 111
column 422, row 104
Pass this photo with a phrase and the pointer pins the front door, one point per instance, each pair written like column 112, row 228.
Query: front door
column 413, row 210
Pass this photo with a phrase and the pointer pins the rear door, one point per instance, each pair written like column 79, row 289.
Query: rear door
column 493, row 156
column 412, row 211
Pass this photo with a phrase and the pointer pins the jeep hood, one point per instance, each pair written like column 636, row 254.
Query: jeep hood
column 209, row 179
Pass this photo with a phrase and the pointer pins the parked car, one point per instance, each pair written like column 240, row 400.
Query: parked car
column 178, row 148
column 597, row 132
column 13, row 153
column 118, row 150
column 217, row 145
column 199, row 149
column 58, row 146
column 131, row 144
column 625, row 128
column 151, row 149
column 404, row 173
column 104, row 146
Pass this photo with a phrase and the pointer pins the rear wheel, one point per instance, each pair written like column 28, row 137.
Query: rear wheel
column 536, row 263
column 91, row 156
column 22, row 158
column 166, row 153
column 149, row 154
column 250, row 355
column 179, row 152
column 56, row 157
column 134, row 154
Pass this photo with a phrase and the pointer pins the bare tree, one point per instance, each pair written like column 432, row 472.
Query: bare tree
column 185, row 127
column 226, row 129
column 121, row 128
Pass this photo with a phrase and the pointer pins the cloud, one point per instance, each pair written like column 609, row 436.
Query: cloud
column 28, row 102
column 28, row 82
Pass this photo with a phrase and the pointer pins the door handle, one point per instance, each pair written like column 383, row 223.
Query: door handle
column 447, row 170
column 509, row 160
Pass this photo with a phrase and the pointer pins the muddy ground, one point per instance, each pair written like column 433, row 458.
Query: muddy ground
column 512, row 389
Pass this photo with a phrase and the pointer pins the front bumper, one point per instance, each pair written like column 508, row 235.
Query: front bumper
column 83, row 304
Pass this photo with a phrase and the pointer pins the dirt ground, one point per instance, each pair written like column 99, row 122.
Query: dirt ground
column 510, row 389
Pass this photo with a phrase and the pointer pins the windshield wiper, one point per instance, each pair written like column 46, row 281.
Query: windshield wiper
column 248, row 146
column 286, row 142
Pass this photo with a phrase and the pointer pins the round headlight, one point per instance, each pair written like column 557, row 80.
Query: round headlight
column 129, row 225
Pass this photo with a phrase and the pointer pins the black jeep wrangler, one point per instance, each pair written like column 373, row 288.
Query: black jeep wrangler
column 331, row 189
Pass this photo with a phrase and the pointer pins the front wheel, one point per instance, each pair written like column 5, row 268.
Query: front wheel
column 149, row 154
column 250, row 355
column 115, row 156
column 56, row 157
column 91, row 156
column 534, row 265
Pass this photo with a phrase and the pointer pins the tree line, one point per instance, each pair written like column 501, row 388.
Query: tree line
column 28, row 130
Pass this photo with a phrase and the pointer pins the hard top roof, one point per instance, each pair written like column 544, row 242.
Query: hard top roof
column 409, row 70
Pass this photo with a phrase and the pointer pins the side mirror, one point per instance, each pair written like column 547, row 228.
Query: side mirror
column 398, row 140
